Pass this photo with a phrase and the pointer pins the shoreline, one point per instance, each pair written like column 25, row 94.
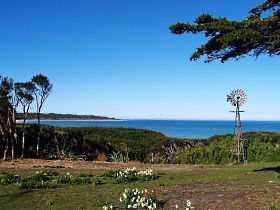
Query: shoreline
column 74, row 120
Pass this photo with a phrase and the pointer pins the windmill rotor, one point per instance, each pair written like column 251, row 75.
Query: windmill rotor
column 237, row 97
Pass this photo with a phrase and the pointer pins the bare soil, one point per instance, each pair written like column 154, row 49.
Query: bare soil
column 102, row 165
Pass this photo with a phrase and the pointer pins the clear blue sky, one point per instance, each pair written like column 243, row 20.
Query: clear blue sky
column 118, row 59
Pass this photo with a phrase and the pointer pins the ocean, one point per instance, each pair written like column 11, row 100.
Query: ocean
column 177, row 128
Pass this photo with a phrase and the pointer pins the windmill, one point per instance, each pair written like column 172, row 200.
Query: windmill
column 237, row 98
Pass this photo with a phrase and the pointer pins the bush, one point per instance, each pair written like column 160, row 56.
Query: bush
column 64, row 179
column 118, row 157
column 29, row 183
column 81, row 180
column 110, row 173
column 85, row 175
column 129, row 175
column 259, row 147
column 7, row 179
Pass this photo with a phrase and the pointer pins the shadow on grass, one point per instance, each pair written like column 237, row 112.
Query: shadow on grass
column 275, row 169
column 14, row 195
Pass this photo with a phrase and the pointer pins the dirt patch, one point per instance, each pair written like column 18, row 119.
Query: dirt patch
column 222, row 195
column 30, row 163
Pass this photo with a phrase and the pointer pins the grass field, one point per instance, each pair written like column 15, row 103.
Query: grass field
column 252, row 186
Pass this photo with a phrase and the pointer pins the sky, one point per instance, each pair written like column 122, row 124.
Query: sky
column 117, row 58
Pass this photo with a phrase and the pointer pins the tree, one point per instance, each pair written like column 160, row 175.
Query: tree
column 258, row 34
column 24, row 92
column 43, row 89
column 8, row 104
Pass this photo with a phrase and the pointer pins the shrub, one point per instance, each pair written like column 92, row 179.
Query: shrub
column 85, row 175
column 118, row 157
column 81, row 180
column 129, row 175
column 98, row 182
column 259, row 147
column 64, row 179
column 110, row 173
column 40, row 176
column 7, row 179
column 30, row 183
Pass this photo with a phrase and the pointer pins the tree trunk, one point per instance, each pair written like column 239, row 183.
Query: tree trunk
column 23, row 145
column 57, row 146
column 23, row 132
column 39, row 134
column 12, row 130
column 6, row 148
column 13, row 147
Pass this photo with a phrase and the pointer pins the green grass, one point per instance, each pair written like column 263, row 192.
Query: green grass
column 252, row 185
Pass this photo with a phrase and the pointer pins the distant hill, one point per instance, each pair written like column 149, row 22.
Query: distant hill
column 54, row 116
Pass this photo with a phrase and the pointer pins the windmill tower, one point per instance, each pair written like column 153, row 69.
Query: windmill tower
column 237, row 98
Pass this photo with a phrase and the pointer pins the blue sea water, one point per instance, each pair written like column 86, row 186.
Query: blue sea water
column 178, row 128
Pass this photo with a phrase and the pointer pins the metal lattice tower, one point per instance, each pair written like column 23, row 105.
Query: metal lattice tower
column 237, row 98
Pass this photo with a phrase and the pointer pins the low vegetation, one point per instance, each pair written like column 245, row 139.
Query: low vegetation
column 91, row 143
column 251, row 186
column 127, row 144
column 259, row 147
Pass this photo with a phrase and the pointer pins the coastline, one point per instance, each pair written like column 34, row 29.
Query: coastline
column 53, row 120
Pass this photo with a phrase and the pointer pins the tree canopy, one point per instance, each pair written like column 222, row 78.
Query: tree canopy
column 11, row 96
column 258, row 34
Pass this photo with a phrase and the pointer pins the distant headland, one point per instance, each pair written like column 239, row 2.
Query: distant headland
column 55, row 116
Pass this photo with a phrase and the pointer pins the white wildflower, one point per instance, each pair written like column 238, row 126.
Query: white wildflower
column 189, row 203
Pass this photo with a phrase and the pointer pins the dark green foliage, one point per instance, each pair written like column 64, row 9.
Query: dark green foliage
column 29, row 183
column 40, row 176
column 234, row 39
column 135, row 144
column 36, row 181
column 110, row 173
column 146, row 146
column 81, row 180
column 98, row 182
column 259, row 147
column 86, row 175
column 87, row 143
column 64, row 179
column 6, row 179
column 51, row 173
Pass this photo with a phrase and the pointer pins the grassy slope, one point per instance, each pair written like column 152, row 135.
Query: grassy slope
column 236, row 187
